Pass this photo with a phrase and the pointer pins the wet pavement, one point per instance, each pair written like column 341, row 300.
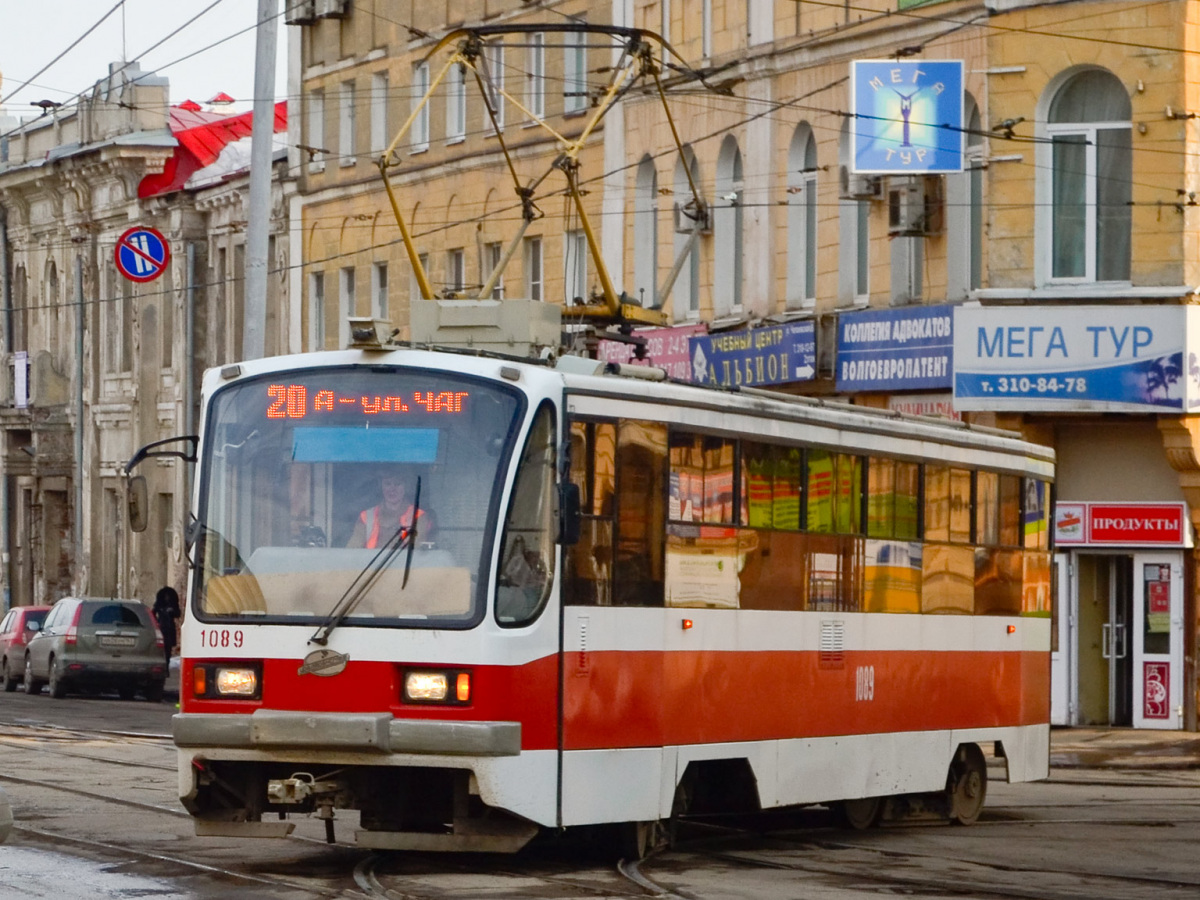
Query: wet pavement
column 1123, row 748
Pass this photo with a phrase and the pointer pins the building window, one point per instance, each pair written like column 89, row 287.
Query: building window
column 575, row 254
column 645, row 234
column 854, row 221
column 316, row 131
column 727, row 230
column 346, row 305
column 706, row 30
column 347, row 124
column 379, row 291
column 535, row 75
column 492, row 61
column 419, row 132
column 686, row 289
column 1091, row 162
column 316, row 311
column 379, row 118
column 802, row 219
column 964, row 213
column 414, row 287
column 575, row 86
column 456, row 105
column 456, row 271
column 533, row 268
column 492, row 254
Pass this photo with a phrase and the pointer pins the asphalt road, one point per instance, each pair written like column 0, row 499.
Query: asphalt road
column 93, row 789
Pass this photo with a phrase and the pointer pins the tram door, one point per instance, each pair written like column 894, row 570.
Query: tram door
column 1105, row 632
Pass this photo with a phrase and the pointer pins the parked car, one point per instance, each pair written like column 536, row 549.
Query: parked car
column 92, row 644
column 18, row 627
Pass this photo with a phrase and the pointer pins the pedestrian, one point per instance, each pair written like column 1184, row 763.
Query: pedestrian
column 167, row 614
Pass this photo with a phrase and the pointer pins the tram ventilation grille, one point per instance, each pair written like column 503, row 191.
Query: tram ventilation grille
column 832, row 648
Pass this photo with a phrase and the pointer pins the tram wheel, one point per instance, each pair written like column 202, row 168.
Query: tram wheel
column 637, row 840
column 859, row 814
column 966, row 785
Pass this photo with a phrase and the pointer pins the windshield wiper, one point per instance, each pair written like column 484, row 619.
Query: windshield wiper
column 369, row 574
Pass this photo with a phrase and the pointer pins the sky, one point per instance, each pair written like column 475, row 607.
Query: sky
column 33, row 32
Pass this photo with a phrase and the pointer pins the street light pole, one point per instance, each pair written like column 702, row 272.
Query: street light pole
column 261, row 138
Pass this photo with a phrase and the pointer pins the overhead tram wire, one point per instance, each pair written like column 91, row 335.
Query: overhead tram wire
column 68, row 49
column 76, row 97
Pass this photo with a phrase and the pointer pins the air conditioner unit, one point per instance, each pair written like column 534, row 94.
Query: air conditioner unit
column 687, row 218
column 300, row 12
column 852, row 186
column 915, row 206
column 332, row 9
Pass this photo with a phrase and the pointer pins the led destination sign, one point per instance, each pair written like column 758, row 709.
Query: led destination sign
column 297, row 401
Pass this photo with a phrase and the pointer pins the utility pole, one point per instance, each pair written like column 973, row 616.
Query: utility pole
column 261, row 138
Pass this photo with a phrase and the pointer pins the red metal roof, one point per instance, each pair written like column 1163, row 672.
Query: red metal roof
column 202, row 136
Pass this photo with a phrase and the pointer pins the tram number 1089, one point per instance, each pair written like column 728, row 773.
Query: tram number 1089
column 864, row 683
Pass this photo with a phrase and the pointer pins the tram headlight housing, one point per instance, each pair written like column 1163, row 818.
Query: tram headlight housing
column 227, row 681
column 448, row 687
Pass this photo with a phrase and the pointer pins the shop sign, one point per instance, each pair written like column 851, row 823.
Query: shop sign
column 907, row 116
column 1156, row 676
column 895, row 349
column 666, row 348
column 776, row 354
column 1121, row 524
column 938, row 405
column 1106, row 358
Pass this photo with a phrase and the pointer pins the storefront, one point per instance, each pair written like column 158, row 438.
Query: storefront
column 1105, row 385
column 1118, row 641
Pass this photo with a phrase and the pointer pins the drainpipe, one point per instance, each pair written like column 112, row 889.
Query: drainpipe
column 6, row 301
column 79, row 423
column 189, row 368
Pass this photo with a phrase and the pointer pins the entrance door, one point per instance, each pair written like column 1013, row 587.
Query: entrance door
column 1105, row 613
column 1062, row 621
column 1157, row 640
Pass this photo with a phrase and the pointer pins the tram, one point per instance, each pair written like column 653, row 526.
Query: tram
column 607, row 601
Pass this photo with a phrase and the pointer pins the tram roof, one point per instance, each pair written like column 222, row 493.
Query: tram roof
column 593, row 378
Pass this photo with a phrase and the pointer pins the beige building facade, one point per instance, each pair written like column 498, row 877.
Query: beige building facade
column 1076, row 200
column 96, row 364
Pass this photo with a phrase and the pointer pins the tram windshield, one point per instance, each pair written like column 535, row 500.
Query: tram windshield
column 307, row 475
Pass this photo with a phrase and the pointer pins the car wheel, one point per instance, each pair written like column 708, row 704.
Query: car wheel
column 58, row 688
column 127, row 691
column 6, row 679
column 30, row 686
column 154, row 692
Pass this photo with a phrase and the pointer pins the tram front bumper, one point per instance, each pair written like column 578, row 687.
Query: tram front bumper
column 362, row 732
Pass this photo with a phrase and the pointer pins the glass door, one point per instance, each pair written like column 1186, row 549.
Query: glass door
column 1157, row 640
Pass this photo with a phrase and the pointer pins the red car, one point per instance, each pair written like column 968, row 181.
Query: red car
column 21, row 624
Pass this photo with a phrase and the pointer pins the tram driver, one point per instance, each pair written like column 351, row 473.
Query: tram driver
column 395, row 510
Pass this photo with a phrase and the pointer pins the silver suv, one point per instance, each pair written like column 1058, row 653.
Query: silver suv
column 89, row 644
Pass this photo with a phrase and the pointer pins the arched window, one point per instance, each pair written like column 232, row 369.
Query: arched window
column 964, row 212
column 802, row 218
column 1088, row 123
column 645, row 234
column 686, row 289
column 727, row 230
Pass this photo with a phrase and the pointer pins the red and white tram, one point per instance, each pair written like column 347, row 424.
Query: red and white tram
column 623, row 600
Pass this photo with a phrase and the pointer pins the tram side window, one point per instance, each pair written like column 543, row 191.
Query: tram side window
column 834, row 493
column 999, row 565
column 589, row 563
column 527, row 548
column 640, row 514
column 772, row 481
column 702, row 479
column 892, row 494
column 1036, row 515
column 947, row 504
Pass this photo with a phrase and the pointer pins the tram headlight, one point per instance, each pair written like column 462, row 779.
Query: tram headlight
column 437, row 686
column 227, row 681
column 236, row 682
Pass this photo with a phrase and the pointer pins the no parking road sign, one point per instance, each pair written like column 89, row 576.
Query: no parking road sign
column 142, row 254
